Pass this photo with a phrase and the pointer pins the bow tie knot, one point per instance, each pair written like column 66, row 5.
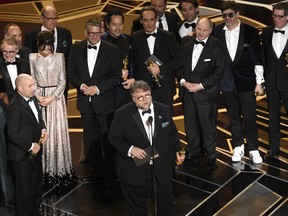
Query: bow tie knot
column 187, row 25
column 148, row 35
column 10, row 63
column 29, row 100
column 146, row 111
column 279, row 31
column 92, row 47
column 200, row 42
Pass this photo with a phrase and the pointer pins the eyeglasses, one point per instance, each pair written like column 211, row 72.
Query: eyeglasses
column 141, row 98
column 230, row 15
column 277, row 16
column 51, row 18
column 91, row 34
column 8, row 52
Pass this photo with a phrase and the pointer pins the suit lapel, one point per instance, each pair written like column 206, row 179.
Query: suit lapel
column 84, row 60
column 240, row 46
column 6, row 75
column 28, row 108
column 139, row 123
column 270, row 35
column 145, row 43
column 157, row 41
column 158, row 120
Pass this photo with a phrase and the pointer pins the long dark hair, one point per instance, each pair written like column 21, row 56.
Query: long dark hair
column 45, row 38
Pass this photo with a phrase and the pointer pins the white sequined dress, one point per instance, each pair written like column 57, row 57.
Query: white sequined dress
column 50, row 75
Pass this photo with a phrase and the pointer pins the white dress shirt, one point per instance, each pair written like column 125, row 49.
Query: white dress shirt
column 164, row 22
column 12, row 71
column 151, row 42
column 279, row 41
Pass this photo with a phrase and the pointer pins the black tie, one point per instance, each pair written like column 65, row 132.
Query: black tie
column 153, row 35
column 29, row 100
column 10, row 63
column 279, row 31
column 92, row 47
column 146, row 111
column 160, row 24
column 187, row 25
column 200, row 42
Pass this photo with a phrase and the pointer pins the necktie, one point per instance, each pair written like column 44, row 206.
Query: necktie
column 146, row 111
column 153, row 35
column 160, row 24
column 29, row 100
column 10, row 63
column 187, row 25
column 92, row 47
column 279, row 31
column 200, row 42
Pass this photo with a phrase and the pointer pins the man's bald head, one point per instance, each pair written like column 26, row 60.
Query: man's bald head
column 25, row 85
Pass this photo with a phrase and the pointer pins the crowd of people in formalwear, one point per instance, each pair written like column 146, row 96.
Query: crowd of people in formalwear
column 125, row 87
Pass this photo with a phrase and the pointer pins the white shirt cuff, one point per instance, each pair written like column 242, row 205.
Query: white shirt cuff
column 259, row 72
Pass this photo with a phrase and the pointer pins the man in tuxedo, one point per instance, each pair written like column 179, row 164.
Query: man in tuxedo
column 114, row 35
column 25, row 129
column 135, row 127
column 163, row 45
column 13, row 30
column 275, row 49
column 202, row 59
column 94, row 69
column 63, row 36
column 190, row 11
column 242, row 79
column 165, row 20
column 10, row 66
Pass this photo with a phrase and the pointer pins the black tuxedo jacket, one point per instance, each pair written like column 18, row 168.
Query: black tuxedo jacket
column 165, row 140
column 172, row 19
column 106, row 75
column 208, row 70
column 275, row 70
column 165, row 49
column 22, row 126
column 24, row 53
column 64, row 40
column 22, row 67
column 240, row 73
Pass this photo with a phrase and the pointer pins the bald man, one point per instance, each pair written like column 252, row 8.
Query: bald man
column 25, row 129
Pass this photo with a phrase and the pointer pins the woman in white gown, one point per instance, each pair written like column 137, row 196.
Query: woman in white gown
column 48, row 69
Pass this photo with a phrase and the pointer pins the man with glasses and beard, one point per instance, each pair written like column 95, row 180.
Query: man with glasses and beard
column 275, row 49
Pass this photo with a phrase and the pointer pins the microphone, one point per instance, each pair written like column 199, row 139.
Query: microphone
column 150, row 120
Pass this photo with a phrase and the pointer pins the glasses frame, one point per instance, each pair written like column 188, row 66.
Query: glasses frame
column 50, row 18
column 278, row 16
column 145, row 97
column 230, row 15
column 5, row 52
column 94, row 34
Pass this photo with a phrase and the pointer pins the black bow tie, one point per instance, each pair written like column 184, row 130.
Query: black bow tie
column 92, row 47
column 200, row 42
column 146, row 111
column 279, row 31
column 29, row 100
column 10, row 63
column 187, row 25
column 153, row 35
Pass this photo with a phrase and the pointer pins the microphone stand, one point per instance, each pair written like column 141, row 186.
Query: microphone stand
column 150, row 120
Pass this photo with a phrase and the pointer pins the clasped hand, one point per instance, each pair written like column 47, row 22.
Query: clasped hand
column 89, row 90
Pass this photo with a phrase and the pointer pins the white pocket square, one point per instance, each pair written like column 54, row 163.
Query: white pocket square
column 206, row 60
column 164, row 124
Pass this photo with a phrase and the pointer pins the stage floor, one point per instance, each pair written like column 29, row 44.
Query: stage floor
column 231, row 189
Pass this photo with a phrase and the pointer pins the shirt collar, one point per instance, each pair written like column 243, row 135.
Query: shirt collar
column 235, row 29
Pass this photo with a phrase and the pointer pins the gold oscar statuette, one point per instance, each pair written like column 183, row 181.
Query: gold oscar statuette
column 286, row 59
column 40, row 142
column 125, row 64
column 156, row 79
column 181, row 152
